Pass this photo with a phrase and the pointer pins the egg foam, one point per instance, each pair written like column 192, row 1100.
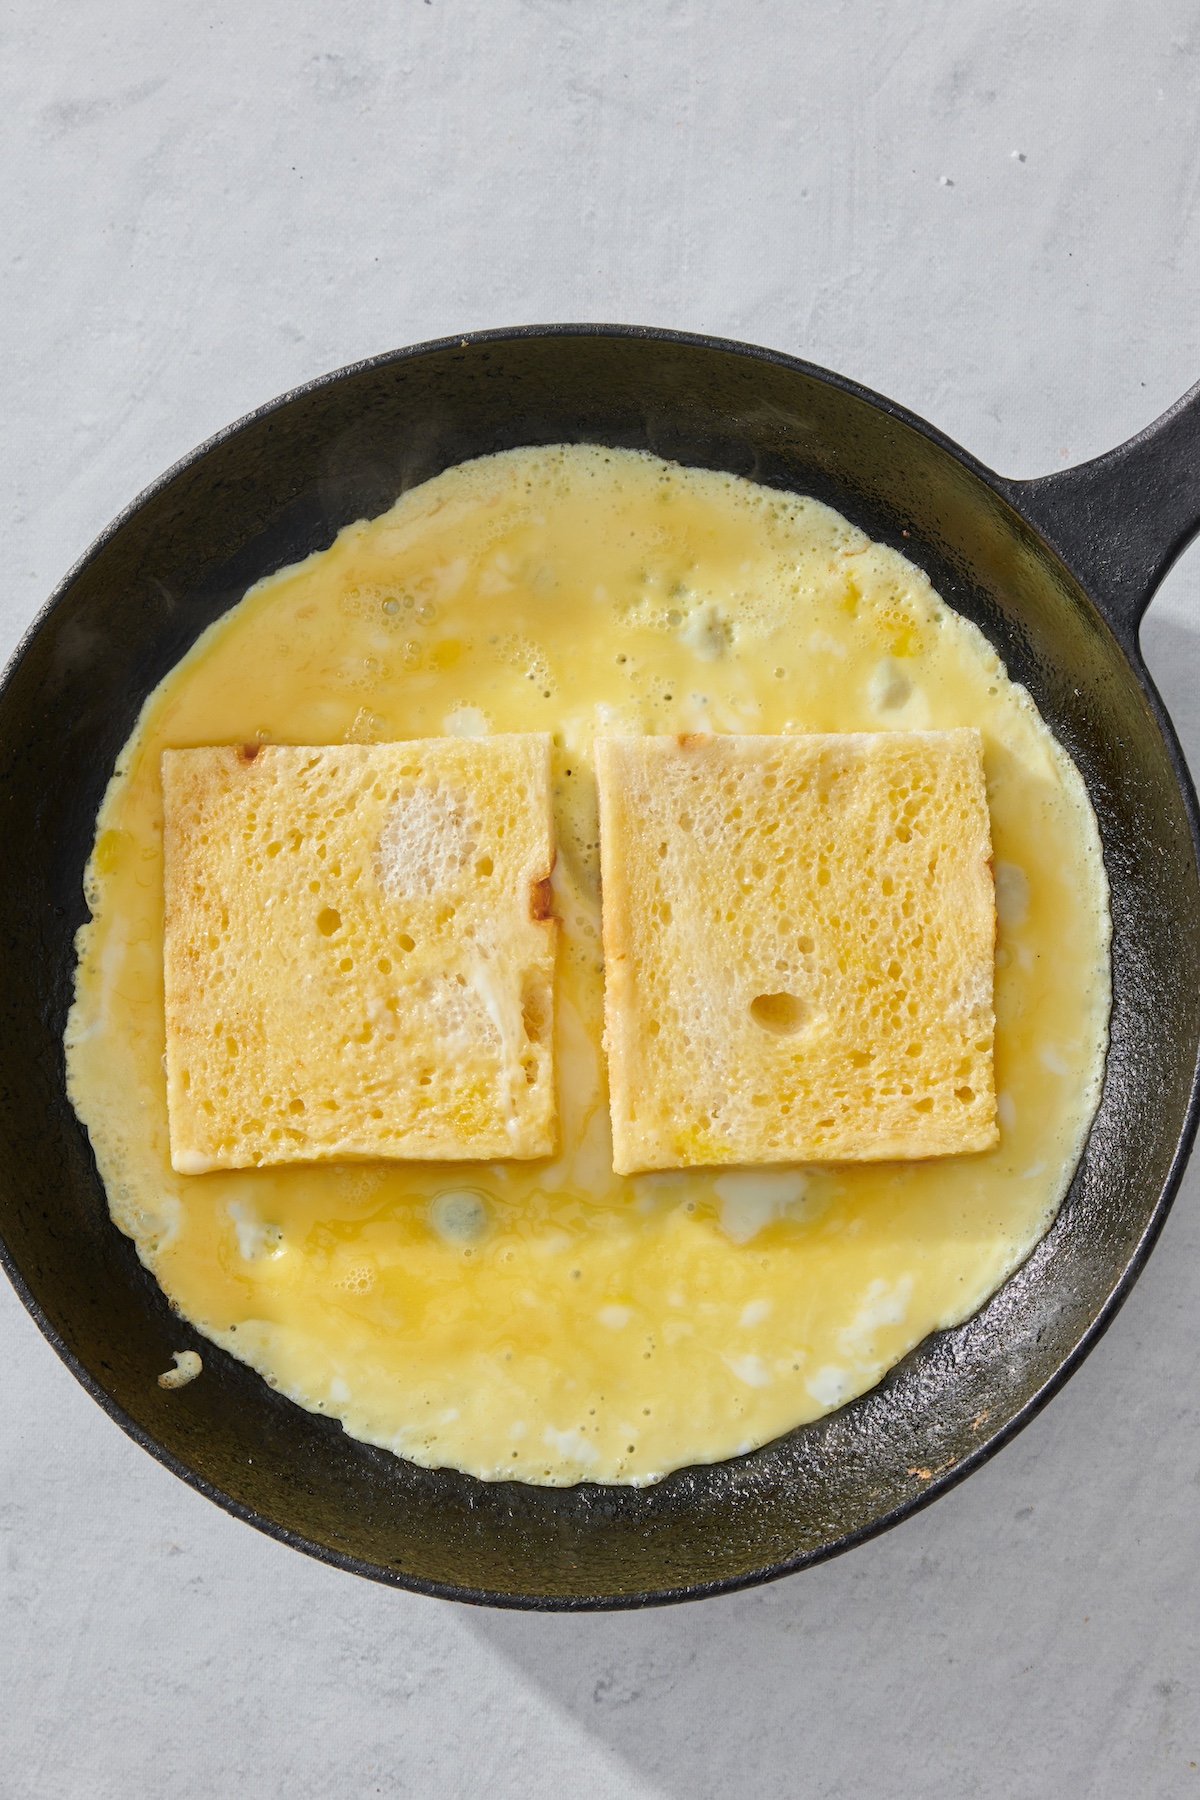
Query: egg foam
column 551, row 1321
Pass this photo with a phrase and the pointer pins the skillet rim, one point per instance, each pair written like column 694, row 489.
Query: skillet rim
column 1126, row 645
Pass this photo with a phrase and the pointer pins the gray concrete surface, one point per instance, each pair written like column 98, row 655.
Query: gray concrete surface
column 987, row 211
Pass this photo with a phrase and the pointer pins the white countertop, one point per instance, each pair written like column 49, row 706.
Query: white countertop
column 989, row 213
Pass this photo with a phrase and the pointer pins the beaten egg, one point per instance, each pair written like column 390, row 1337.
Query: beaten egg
column 549, row 1320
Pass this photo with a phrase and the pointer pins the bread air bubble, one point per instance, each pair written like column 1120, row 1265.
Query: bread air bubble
column 781, row 1014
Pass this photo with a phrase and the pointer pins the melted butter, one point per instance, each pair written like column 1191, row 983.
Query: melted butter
column 550, row 1320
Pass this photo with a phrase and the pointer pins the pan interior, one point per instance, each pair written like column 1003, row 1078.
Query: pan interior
column 283, row 485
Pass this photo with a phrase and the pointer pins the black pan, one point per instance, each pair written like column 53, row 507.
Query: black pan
column 1057, row 573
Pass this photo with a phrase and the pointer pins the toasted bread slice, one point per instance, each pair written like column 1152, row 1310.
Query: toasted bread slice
column 359, row 952
column 799, row 936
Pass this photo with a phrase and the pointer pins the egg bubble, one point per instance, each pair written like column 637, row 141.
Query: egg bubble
column 460, row 1215
column 359, row 1278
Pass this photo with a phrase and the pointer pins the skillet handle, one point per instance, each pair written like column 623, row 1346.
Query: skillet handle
column 1120, row 520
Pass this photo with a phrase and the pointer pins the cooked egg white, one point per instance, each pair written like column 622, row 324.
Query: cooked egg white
column 550, row 1320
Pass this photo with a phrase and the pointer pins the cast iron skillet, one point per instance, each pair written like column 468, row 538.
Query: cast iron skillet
column 1057, row 572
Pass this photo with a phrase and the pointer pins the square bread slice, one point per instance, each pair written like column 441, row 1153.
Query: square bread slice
column 799, row 935
column 359, row 952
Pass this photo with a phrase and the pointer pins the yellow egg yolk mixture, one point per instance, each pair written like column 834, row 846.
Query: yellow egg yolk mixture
column 549, row 1320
